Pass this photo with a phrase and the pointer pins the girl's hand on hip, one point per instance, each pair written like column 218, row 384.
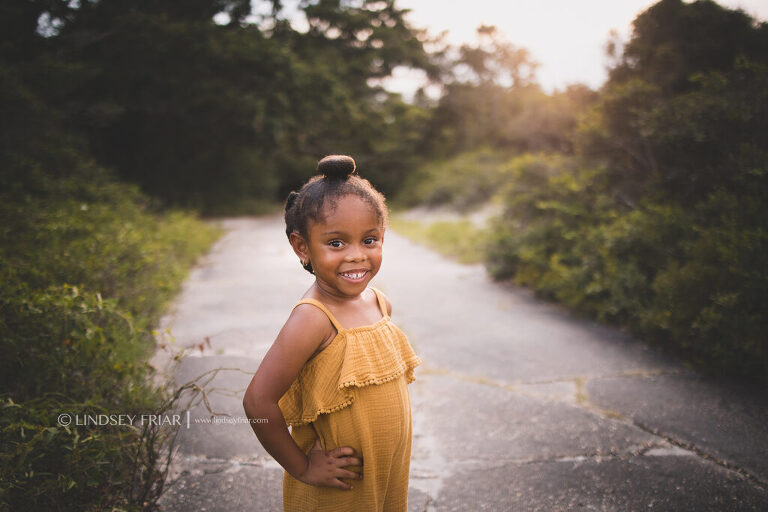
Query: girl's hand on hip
column 324, row 469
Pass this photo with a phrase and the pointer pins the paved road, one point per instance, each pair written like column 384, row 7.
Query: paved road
column 519, row 404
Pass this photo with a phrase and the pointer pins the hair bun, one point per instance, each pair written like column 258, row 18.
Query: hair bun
column 336, row 166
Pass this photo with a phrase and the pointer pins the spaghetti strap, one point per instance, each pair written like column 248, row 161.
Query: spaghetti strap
column 380, row 300
column 320, row 305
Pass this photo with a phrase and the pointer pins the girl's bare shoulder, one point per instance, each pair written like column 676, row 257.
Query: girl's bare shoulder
column 309, row 321
column 303, row 332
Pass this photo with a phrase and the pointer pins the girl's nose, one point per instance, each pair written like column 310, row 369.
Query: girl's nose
column 355, row 254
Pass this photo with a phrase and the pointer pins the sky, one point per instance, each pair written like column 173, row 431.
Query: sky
column 566, row 37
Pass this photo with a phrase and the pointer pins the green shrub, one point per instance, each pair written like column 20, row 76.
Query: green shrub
column 61, row 354
column 49, row 467
column 685, row 279
column 87, row 266
column 711, row 301
column 543, row 213
column 61, row 340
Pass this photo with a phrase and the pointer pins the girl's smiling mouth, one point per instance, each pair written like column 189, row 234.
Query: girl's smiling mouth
column 354, row 276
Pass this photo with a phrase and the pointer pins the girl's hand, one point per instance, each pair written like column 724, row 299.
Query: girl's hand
column 324, row 469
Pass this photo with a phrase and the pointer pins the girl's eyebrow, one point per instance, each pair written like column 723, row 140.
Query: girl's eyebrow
column 342, row 233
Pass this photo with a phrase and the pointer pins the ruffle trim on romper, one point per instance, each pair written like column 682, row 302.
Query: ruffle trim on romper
column 357, row 357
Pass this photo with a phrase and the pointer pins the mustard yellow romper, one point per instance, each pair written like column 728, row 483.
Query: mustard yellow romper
column 355, row 393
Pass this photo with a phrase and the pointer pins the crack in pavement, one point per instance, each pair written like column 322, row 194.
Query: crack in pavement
column 201, row 465
column 580, row 398
column 597, row 456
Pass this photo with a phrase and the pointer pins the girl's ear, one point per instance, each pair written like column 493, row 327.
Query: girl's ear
column 300, row 246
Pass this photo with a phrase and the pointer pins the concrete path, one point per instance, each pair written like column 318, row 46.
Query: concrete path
column 519, row 405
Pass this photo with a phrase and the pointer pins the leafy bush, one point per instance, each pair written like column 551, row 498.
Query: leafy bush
column 61, row 354
column 87, row 267
column 543, row 213
column 686, row 279
column 62, row 340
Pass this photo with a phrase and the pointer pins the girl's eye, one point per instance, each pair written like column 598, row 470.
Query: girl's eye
column 335, row 243
column 370, row 241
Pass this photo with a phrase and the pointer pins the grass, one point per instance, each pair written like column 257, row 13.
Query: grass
column 460, row 240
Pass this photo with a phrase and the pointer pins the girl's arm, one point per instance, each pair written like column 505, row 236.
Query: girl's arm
column 306, row 328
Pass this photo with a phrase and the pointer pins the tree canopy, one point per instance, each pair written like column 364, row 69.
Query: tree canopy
column 204, row 114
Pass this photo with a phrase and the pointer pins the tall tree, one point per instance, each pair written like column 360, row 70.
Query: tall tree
column 491, row 98
column 207, row 114
column 683, row 113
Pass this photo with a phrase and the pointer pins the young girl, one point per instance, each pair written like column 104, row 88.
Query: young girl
column 337, row 372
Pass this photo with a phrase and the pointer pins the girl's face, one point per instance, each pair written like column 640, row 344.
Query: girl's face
column 346, row 248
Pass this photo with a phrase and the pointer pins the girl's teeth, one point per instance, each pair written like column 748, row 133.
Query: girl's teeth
column 354, row 276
